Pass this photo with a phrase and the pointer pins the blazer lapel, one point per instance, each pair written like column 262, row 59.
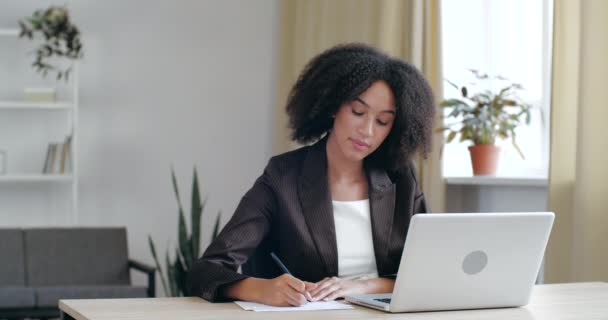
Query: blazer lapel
column 315, row 200
column 382, row 206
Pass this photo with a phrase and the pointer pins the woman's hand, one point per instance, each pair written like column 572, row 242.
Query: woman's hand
column 333, row 288
column 282, row 291
column 285, row 290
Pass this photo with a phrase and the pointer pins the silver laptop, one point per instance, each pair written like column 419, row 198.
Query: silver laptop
column 454, row 261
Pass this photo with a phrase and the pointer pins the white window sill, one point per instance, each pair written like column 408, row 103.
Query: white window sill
column 497, row 181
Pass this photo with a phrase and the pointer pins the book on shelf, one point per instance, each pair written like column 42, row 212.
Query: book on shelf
column 67, row 162
column 58, row 157
column 47, row 160
column 50, row 157
column 40, row 95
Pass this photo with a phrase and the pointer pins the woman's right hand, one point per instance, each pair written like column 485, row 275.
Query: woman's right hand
column 282, row 291
column 285, row 290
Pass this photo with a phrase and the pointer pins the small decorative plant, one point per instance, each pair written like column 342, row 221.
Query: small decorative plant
column 483, row 116
column 186, row 253
column 61, row 39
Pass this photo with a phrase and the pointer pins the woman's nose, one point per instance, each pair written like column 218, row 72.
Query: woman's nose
column 367, row 128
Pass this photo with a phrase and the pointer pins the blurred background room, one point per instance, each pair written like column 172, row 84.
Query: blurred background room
column 164, row 85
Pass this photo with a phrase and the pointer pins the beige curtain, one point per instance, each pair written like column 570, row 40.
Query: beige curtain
column 578, row 174
column 408, row 29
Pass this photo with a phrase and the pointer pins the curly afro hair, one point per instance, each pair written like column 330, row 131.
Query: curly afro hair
column 341, row 74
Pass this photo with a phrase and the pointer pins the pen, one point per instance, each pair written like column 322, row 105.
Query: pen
column 279, row 263
column 285, row 270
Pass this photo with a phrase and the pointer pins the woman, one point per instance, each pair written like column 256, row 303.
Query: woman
column 336, row 212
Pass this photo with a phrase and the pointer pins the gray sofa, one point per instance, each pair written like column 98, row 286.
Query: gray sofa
column 39, row 266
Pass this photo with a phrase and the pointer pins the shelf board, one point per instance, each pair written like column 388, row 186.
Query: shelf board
column 9, row 32
column 497, row 181
column 24, row 105
column 36, row 178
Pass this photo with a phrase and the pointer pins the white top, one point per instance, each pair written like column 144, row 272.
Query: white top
column 356, row 257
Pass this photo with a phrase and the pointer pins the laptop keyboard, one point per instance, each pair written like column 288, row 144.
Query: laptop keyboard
column 386, row 300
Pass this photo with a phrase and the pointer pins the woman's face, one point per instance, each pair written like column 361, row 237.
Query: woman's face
column 360, row 126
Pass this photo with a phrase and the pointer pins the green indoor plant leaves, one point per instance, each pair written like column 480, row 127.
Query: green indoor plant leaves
column 60, row 40
column 188, row 249
column 483, row 116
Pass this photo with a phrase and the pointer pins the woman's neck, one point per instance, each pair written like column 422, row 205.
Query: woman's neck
column 339, row 167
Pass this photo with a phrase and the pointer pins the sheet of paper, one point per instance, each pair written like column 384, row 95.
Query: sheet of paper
column 320, row 305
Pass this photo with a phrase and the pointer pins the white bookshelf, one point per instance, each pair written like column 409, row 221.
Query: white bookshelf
column 36, row 178
column 22, row 105
column 9, row 32
column 70, row 110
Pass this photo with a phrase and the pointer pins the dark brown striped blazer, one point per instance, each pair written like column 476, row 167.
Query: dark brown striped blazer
column 288, row 210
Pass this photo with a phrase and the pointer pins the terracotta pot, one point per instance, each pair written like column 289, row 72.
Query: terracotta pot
column 484, row 158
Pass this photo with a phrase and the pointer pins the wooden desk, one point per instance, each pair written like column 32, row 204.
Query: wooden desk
column 587, row 301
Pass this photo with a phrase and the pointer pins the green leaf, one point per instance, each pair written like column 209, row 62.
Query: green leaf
column 478, row 74
column 171, row 276
column 452, row 84
column 471, row 121
column 175, row 189
column 451, row 103
column 196, row 211
column 180, row 276
column 163, row 280
column 504, row 90
column 451, row 136
column 454, row 113
column 185, row 248
column 521, row 154
column 510, row 102
column 495, row 102
column 464, row 134
column 216, row 228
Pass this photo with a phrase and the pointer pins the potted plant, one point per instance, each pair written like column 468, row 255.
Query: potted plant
column 173, row 280
column 482, row 117
column 61, row 40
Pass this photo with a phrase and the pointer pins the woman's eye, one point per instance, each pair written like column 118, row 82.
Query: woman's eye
column 357, row 113
column 382, row 123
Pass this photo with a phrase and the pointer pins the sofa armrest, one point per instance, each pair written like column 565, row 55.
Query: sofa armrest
column 150, row 271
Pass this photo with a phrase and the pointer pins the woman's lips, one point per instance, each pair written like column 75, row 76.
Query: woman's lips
column 359, row 145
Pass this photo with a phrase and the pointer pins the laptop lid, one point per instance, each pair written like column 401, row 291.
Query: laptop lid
column 470, row 261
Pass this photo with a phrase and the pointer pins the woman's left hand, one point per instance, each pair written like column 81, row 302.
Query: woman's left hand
column 333, row 288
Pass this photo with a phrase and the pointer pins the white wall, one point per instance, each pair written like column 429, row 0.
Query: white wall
column 165, row 82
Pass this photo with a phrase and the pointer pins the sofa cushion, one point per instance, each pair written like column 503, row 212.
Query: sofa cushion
column 76, row 256
column 17, row 297
column 12, row 267
column 50, row 296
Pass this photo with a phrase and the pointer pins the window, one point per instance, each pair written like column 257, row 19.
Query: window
column 511, row 38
